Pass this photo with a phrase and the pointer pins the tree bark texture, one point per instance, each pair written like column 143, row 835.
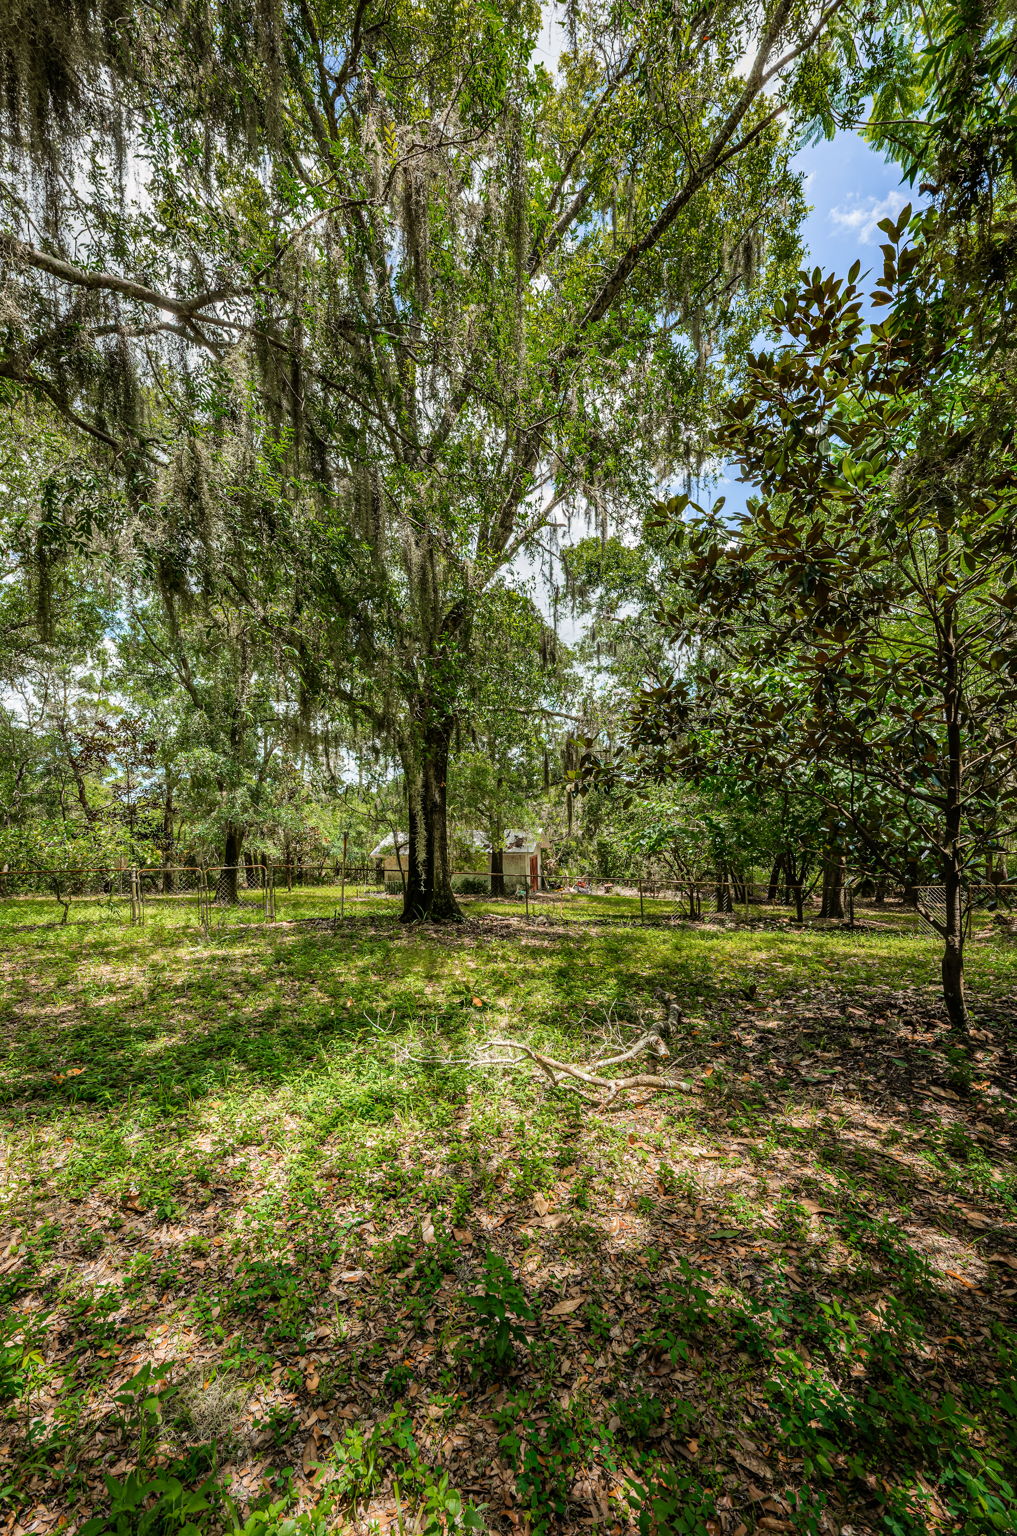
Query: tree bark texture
column 953, row 927
column 834, row 868
column 227, row 892
column 429, row 896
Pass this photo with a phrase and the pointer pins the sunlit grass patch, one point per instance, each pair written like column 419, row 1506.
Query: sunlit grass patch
column 263, row 1151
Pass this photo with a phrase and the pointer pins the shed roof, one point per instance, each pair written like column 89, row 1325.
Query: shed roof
column 516, row 841
column 387, row 845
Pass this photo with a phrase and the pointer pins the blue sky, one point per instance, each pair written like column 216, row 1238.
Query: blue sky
column 850, row 188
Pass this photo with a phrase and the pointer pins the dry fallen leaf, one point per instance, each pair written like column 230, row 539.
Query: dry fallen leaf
column 541, row 1205
column 1003, row 1258
column 351, row 1276
column 568, row 1305
column 311, row 1381
column 310, row 1458
column 752, row 1464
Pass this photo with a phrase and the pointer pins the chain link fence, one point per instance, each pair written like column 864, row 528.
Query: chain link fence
column 211, row 892
column 219, row 894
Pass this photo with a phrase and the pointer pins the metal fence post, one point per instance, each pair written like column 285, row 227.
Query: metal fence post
column 642, row 917
column 526, row 890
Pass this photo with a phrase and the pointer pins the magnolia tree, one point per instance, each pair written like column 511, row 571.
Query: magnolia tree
column 875, row 571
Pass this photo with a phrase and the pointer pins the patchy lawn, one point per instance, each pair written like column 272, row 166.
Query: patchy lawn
column 272, row 1244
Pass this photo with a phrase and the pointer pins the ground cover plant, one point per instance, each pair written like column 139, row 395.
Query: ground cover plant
column 278, row 1258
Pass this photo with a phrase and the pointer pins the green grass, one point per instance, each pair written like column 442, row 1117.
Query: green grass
column 205, row 1130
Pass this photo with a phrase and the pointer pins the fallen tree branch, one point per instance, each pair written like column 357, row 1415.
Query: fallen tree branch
column 566, row 1074
column 559, row 1071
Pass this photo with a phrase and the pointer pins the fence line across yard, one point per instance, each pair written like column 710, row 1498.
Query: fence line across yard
column 219, row 893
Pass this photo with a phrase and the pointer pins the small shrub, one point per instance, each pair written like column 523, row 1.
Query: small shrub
column 640, row 1416
column 157, row 1505
column 502, row 1308
column 397, row 1379
column 671, row 1504
column 546, row 1444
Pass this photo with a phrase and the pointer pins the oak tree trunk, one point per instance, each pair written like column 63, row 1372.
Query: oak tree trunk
column 834, row 866
column 429, row 896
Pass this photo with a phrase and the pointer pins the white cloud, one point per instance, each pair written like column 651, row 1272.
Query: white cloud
column 863, row 219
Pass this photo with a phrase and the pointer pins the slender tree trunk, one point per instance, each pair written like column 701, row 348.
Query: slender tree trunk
column 911, row 884
column 953, row 947
column 167, row 841
column 796, row 874
column 773, row 885
column 227, row 891
column 953, row 936
column 497, row 869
